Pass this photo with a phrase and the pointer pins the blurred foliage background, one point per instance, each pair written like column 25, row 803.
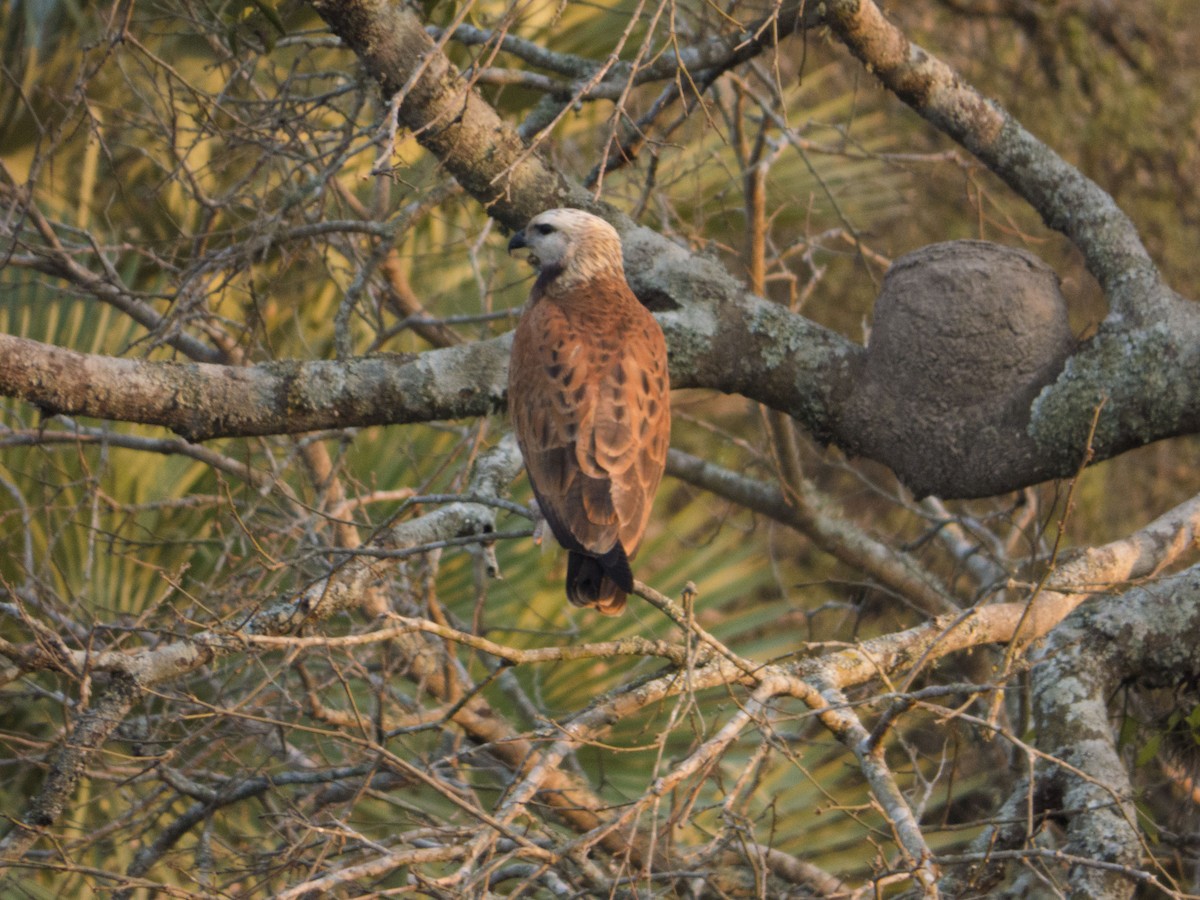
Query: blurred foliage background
column 229, row 166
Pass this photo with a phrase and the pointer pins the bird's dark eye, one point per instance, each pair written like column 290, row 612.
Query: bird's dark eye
column 543, row 228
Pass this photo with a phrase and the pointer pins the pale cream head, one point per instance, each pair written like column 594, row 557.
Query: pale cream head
column 571, row 245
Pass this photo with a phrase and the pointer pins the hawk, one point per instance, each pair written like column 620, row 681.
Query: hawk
column 588, row 394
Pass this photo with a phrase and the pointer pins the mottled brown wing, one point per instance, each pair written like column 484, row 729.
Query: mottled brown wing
column 551, row 387
column 589, row 399
column 623, row 437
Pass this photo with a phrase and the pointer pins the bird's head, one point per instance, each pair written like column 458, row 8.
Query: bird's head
column 570, row 246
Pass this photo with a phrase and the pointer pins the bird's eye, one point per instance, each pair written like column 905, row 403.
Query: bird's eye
column 543, row 228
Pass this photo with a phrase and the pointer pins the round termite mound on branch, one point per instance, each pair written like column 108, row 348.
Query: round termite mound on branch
column 965, row 334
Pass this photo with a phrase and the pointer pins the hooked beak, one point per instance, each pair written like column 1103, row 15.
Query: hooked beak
column 519, row 244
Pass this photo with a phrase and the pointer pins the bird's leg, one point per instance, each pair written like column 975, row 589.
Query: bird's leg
column 539, row 522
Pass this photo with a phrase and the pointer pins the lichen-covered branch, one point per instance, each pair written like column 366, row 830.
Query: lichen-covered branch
column 1067, row 200
column 87, row 735
column 201, row 401
column 448, row 117
column 1080, row 772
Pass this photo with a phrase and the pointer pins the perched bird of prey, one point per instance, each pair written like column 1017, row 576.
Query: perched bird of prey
column 588, row 394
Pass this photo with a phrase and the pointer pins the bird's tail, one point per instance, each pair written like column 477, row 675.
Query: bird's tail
column 599, row 581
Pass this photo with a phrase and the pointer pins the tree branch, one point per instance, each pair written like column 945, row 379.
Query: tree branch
column 1068, row 201
column 201, row 401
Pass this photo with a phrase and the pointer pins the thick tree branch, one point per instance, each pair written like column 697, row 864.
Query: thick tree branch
column 201, row 401
column 1067, row 200
column 1081, row 769
column 92, row 728
column 447, row 116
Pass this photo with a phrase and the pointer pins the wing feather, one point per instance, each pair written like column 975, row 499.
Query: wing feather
column 647, row 402
column 552, row 393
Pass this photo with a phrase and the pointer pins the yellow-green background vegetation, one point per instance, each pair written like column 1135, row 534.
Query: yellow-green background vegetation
column 198, row 156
